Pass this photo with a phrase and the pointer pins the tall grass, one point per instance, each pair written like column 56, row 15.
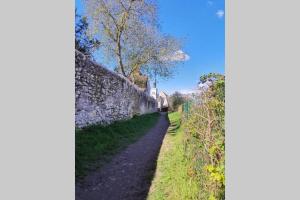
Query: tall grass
column 96, row 144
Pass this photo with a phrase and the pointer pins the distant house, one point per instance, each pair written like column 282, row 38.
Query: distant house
column 154, row 93
column 161, row 98
column 162, row 101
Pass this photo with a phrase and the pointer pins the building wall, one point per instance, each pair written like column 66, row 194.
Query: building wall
column 103, row 96
column 153, row 93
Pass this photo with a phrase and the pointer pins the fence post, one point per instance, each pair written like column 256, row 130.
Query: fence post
column 186, row 108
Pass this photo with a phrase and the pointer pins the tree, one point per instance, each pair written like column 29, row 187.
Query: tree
column 218, row 85
column 176, row 100
column 162, row 61
column 128, row 31
column 151, row 53
column 210, row 77
column 83, row 42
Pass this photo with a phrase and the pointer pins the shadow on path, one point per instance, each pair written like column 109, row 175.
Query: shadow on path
column 128, row 176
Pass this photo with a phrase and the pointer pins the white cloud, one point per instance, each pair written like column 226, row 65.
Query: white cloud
column 177, row 56
column 220, row 13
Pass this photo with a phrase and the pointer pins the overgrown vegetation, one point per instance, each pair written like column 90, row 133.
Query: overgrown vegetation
column 176, row 100
column 84, row 43
column 130, row 37
column 96, row 144
column 191, row 164
column 204, row 130
column 172, row 180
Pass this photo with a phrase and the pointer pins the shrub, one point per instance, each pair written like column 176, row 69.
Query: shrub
column 176, row 100
column 204, row 129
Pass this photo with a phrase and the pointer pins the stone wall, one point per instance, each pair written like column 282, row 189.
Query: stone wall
column 103, row 96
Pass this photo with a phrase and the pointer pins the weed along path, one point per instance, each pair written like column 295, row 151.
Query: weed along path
column 128, row 176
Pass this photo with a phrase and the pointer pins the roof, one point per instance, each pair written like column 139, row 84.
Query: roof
column 163, row 93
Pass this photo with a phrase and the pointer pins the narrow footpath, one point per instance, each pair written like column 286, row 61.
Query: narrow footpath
column 128, row 176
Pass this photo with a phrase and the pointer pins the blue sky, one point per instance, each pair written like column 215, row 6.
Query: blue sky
column 200, row 23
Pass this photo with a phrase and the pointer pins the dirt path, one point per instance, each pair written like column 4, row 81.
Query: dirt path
column 128, row 176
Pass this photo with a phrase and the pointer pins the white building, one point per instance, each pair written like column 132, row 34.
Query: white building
column 154, row 93
column 162, row 102
column 161, row 98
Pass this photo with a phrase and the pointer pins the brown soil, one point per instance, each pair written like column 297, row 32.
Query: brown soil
column 128, row 176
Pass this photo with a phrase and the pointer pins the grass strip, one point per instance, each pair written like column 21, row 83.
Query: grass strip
column 96, row 144
column 171, row 180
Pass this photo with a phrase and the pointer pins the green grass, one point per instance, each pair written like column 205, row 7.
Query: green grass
column 96, row 144
column 171, row 180
column 175, row 121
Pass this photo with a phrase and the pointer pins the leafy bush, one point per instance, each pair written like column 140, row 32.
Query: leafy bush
column 176, row 100
column 204, row 128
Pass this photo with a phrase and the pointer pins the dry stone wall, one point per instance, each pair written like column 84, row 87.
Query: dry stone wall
column 103, row 96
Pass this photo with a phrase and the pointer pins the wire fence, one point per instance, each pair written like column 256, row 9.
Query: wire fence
column 186, row 108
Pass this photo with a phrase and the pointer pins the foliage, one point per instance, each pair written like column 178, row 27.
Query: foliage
column 191, row 164
column 205, row 139
column 176, row 100
column 129, row 35
column 210, row 77
column 171, row 181
column 83, row 42
column 95, row 144
column 139, row 79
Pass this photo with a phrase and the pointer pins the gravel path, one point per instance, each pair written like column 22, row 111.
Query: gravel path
column 128, row 176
